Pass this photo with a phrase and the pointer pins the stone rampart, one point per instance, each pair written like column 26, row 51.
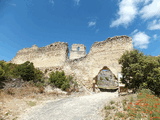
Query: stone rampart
column 102, row 54
column 51, row 55
column 84, row 69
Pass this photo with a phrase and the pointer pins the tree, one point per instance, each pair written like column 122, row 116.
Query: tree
column 152, row 73
column 140, row 71
column 132, row 68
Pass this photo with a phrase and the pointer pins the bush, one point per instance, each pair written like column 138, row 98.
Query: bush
column 60, row 80
column 26, row 71
column 38, row 75
column 1, row 77
column 1, row 74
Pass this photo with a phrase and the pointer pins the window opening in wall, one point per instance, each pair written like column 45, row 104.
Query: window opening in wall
column 78, row 48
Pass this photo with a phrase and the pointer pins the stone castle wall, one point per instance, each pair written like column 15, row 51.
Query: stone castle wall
column 102, row 54
column 85, row 69
column 52, row 55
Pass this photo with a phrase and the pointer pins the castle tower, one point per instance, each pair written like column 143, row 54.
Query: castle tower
column 77, row 51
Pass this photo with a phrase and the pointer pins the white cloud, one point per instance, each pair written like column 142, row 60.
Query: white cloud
column 151, row 10
column 146, row 1
column 155, row 36
column 130, row 9
column 154, row 25
column 140, row 40
column 126, row 14
column 91, row 23
column 76, row 2
column 51, row 1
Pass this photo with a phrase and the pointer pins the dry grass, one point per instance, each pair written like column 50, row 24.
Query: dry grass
column 15, row 101
column 143, row 106
column 25, row 91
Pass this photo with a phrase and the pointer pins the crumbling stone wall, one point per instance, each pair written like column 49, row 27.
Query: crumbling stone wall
column 105, row 53
column 51, row 55
column 85, row 69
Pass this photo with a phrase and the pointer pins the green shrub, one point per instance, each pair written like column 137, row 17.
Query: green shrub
column 60, row 80
column 120, row 115
column 1, row 73
column 112, row 102
column 1, row 77
column 38, row 76
column 109, row 107
column 26, row 71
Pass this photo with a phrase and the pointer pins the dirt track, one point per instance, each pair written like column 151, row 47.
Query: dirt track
column 73, row 108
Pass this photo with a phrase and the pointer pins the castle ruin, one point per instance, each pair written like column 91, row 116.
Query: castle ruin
column 77, row 51
column 84, row 67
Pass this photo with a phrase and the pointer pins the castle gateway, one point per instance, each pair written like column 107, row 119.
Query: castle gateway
column 85, row 68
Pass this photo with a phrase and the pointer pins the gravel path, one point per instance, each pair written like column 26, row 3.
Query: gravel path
column 73, row 108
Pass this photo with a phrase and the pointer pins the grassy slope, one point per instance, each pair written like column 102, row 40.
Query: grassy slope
column 143, row 105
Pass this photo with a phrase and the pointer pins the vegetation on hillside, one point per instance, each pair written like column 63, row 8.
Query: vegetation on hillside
column 144, row 106
column 25, row 71
column 25, row 84
column 1, row 77
column 140, row 71
column 60, row 80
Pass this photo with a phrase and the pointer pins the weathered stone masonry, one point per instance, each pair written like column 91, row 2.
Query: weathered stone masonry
column 86, row 67
column 51, row 55
column 77, row 51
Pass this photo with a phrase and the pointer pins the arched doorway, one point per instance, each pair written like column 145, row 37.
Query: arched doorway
column 106, row 80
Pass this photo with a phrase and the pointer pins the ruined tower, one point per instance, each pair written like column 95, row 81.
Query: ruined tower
column 77, row 51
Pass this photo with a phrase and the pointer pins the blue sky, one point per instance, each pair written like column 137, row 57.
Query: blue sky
column 24, row 23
